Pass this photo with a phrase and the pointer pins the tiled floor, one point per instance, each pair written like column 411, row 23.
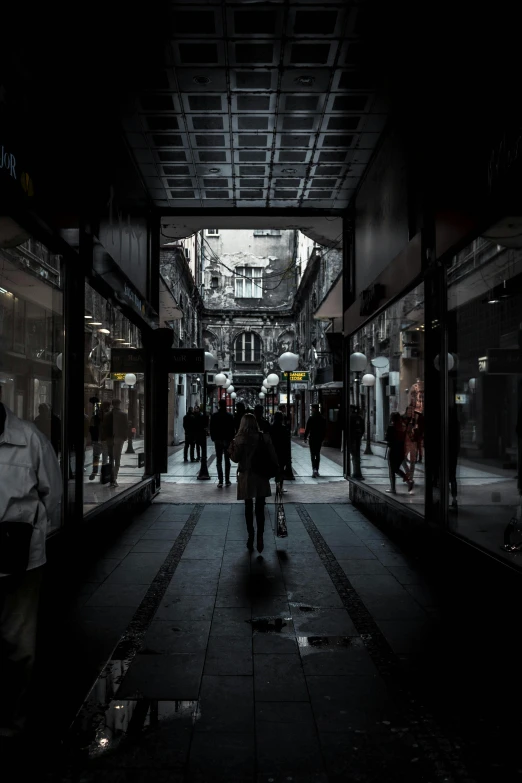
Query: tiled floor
column 181, row 472
column 230, row 666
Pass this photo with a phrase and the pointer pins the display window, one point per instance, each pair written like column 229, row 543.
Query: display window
column 113, row 405
column 484, row 421
column 32, row 336
column 386, row 399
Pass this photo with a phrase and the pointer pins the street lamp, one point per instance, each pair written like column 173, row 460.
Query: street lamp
column 358, row 362
column 203, row 474
column 130, row 380
column 368, row 380
column 272, row 381
column 288, row 362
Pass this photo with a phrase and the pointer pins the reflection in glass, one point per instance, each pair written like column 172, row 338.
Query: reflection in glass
column 31, row 334
column 113, row 410
column 485, row 390
column 387, row 380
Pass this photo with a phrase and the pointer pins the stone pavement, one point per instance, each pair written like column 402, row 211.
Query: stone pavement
column 221, row 665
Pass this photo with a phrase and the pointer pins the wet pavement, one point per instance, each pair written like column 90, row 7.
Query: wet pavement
column 323, row 659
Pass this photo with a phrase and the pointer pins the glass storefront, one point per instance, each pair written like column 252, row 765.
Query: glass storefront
column 484, row 429
column 32, row 336
column 386, row 428
column 113, row 405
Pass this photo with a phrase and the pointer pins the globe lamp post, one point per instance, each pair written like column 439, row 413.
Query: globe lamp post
column 288, row 362
column 358, row 362
column 203, row 474
column 368, row 380
column 130, row 380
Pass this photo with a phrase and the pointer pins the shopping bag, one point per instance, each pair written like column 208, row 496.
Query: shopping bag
column 281, row 530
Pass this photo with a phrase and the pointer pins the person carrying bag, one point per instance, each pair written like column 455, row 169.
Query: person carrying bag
column 257, row 464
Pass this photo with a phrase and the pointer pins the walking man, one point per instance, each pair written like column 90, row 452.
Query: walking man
column 30, row 492
column 222, row 432
column 262, row 423
column 117, row 430
column 314, row 434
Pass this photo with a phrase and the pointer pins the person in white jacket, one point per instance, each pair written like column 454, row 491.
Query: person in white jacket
column 30, row 491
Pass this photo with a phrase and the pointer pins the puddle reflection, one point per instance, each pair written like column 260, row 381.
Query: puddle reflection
column 126, row 719
column 269, row 624
column 329, row 643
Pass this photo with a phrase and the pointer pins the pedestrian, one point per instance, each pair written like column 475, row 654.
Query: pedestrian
column 355, row 435
column 263, row 424
column 240, row 412
column 281, row 441
column 100, row 447
column 314, row 434
column 200, row 429
column 116, row 430
column 222, row 433
column 454, row 439
column 30, row 492
column 189, row 422
column 252, row 486
column 395, row 438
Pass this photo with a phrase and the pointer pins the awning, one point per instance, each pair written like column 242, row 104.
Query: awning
column 332, row 305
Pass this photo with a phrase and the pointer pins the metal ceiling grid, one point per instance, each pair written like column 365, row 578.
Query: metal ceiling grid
column 258, row 105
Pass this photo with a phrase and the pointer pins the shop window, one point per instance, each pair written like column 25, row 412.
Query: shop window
column 113, row 405
column 386, row 427
column 31, row 341
column 484, row 421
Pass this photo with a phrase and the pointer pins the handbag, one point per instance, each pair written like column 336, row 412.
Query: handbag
column 15, row 545
column 281, row 530
column 106, row 473
column 262, row 461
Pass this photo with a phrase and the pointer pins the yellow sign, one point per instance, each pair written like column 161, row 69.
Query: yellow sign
column 298, row 376
column 118, row 376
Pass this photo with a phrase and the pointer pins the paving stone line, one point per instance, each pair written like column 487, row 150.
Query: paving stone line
column 446, row 759
column 132, row 638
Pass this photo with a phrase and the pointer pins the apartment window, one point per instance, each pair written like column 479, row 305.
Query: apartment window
column 267, row 232
column 212, row 232
column 187, row 253
column 248, row 347
column 214, row 282
column 249, row 282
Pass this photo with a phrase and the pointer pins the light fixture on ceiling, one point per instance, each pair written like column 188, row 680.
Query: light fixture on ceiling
column 104, row 331
column 214, row 171
column 201, row 80
column 95, row 323
column 493, row 301
column 305, row 81
column 87, row 316
column 289, row 171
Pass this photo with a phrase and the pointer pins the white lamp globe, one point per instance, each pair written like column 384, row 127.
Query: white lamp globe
column 288, row 361
column 368, row 379
column 233, row 395
column 273, row 379
column 261, row 396
column 130, row 379
column 472, row 383
column 451, row 362
column 230, row 389
column 358, row 362
column 227, row 383
column 220, row 379
column 209, row 361
column 265, row 383
column 59, row 361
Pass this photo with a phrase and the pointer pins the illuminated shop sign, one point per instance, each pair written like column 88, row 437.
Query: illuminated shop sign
column 297, row 376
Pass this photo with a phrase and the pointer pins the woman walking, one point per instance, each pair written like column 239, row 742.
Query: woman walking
column 251, row 485
column 395, row 438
